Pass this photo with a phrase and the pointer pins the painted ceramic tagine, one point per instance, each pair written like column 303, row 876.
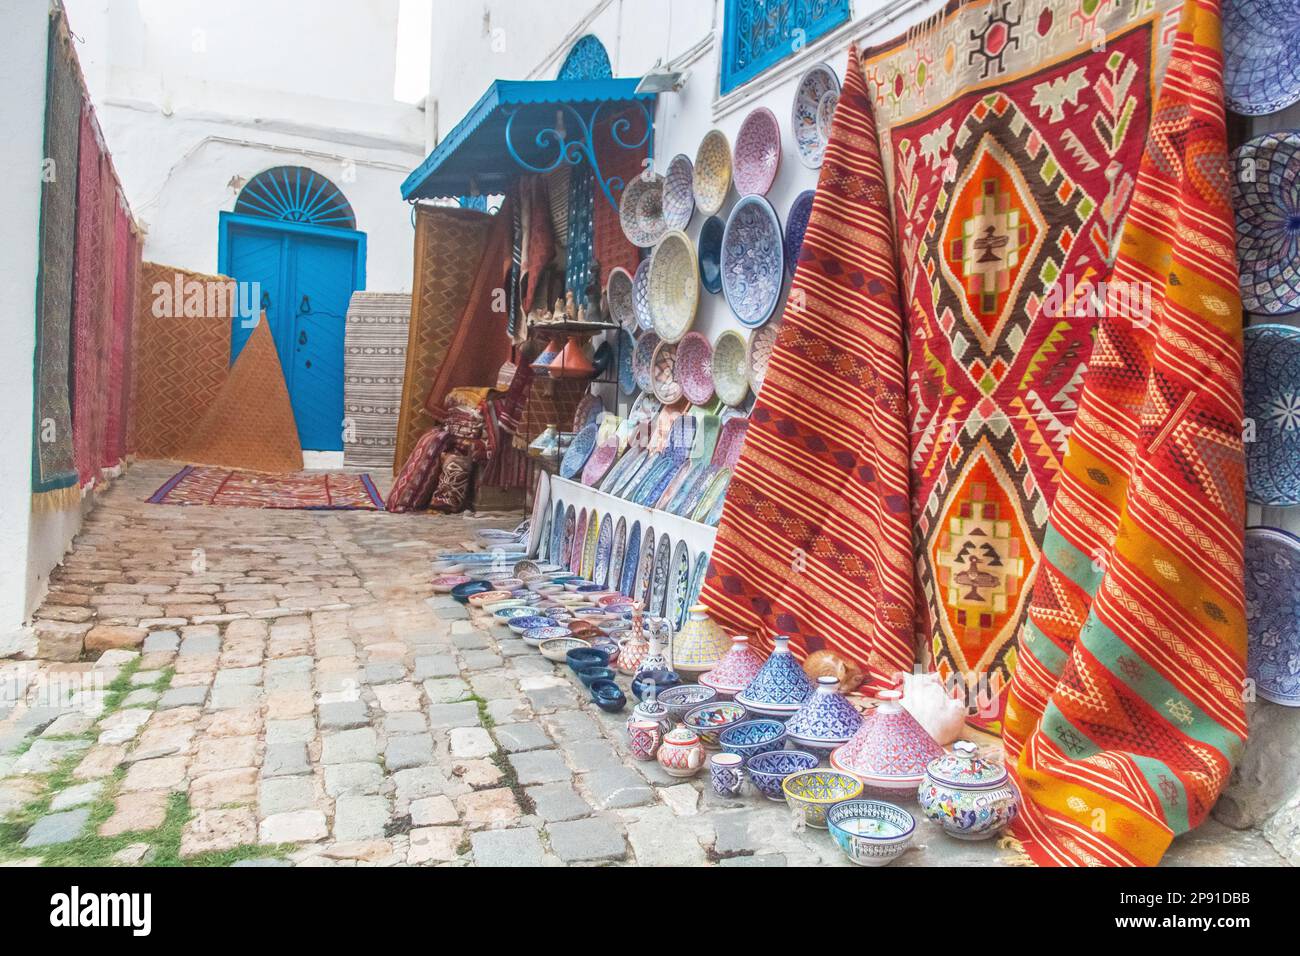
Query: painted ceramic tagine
column 780, row 687
column 890, row 751
column 970, row 797
column 825, row 721
column 681, row 753
column 738, row 667
column 700, row 644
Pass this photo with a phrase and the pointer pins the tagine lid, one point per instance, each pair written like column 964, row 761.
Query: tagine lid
column 825, row 716
column 781, row 684
column 736, row 669
column 965, row 769
column 890, row 747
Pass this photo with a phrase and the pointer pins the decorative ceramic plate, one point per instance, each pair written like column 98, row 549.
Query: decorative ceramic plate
column 580, row 449
column 588, row 412
column 730, row 442
column 729, row 367
column 649, row 478
column 645, row 577
column 698, row 574
column 641, row 210
column 714, row 514
column 680, row 477
column 808, row 136
column 756, row 156
column 557, row 534
column 761, row 343
column 641, row 296
column 579, row 543
column 566, row 546
column 617, row 549
column 712, row 494
column 618, row 293
column 674, row 288
column 663, row 374
column 703, row 479
column 630, row 461
column 626, row 371
column 679, row 195
column 682, row 485
column 826, row 113
column 681, row 436
column 1261, row 55
column 1273, row 614
column 753, row 263
column 544, row 550
column 710, row 253
column 665, row 478
column 600, row 461
column 643, row 360
column 541, row 506
column 588, row 570
column 659, row 586
column 679, row 582
column 695, row 368
column 1272, row 406
column 1268, row 222
column 796, row 224
column 707, row 428
column 712, row 179
column 632, row 480
column 631, row 560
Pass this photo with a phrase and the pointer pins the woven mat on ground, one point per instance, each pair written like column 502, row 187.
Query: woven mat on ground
column 315, row 491
column 814, row 540
column 448, row 249
column 182, row 355
column 1126, row 710
column 1011, row 172
column 250, row 423
column 53, row 466
column 374, row 360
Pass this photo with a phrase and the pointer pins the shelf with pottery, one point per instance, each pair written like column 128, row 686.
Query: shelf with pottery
column 698, row 537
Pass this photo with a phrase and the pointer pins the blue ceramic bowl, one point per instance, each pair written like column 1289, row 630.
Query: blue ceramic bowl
column 589, row 675
column 587, row 657
column 684, row 698
column 709, row 720
column 870, row 832
column 529, row 621
column 753, row 737
column 462, row 592
column 608, row 696
column 661, row 679
column 515, row 610
column 768, row 770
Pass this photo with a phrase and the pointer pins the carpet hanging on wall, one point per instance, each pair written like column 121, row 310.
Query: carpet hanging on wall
column 814, row 540
column 374, row 359
column 182, row 355
column 250, row 424
column 1011, row 161
column 448, row 249
column 1126, row 710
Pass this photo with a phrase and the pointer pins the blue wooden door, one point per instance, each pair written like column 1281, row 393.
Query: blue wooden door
column 306, row 277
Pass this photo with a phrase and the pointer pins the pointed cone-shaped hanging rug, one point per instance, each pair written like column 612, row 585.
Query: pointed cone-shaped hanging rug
column 250, row 423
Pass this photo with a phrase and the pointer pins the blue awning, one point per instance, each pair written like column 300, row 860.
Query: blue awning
column 512, row 130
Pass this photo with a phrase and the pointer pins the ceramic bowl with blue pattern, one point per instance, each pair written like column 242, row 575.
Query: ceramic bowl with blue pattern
column 767, row 771
column 812, row 792
column 871, row 832
column 753, row 737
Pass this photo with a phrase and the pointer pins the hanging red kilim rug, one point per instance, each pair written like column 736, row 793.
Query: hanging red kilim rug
column 1126, row 710
column 1011, row 134
column 202, row 485
column 814, row 540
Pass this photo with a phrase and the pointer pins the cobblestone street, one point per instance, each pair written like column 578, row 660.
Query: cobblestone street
column 281, row 688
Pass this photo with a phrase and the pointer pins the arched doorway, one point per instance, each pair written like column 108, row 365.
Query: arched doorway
column 294, row 233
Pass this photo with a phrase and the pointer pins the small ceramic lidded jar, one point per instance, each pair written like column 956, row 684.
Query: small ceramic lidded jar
column 970, row 797
column 681, row 754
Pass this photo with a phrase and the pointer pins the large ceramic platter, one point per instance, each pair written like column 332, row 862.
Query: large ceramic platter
column 1265, row 196
column 707, row 428
column 589, row 552
column 710, row 253
column 643, row 354
column 541, row 507
column 1273, row 614
column 809, row 138
column 663, row 374
column 1261, row 55
column 695, row 368
column 761, row 343
column 601, row 460
column 674, row 287
column 557, row 534
column 630, row 461
column 757, row 154
column 1272, row 406
column 617, row 552
column 753, row 261
column 641, row 296
column 712, row 174
column 566, row 547
column 679, row 194
column 579, row 542
column 796, row 224
column 698, row 574
column 580, row 449
column 680, row 477
column 631, row 561
column 588, row 412
column 641, row 210
column 730, row 368
column 626, row 370
column 618, row 291
column 645, row 577
column 604, row 549
column 730, row 442
column 659, row 583
column 679, row 585
column 632, row 480
column 713, row 494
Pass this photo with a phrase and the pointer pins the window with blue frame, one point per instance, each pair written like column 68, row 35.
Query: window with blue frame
column 758, row 34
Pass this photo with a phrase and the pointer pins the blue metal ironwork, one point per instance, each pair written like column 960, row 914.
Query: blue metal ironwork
column 296, row 194
column 758, row 34
column 587, row 60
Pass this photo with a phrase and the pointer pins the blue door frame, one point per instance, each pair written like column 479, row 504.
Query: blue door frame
column 319, row 416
